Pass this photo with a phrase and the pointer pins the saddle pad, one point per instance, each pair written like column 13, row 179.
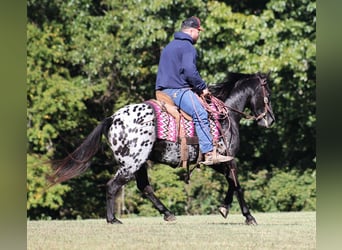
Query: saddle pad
column 167, row 128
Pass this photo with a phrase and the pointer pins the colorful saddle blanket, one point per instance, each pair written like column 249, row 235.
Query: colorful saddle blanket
column 167, row 128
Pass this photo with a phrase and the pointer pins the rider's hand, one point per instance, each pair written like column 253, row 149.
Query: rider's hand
column 206, row 92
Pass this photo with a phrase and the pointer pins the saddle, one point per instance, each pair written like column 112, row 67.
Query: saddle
column 176, row 125
column 170, row 106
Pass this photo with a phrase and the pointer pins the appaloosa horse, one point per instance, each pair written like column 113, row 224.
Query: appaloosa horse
column 132, row 136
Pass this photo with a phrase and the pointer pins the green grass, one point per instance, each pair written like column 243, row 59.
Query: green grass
column 295, row 230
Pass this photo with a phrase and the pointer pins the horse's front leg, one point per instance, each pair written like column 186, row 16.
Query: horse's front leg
column 225, row 206
column 145, row 187
column 250, row 220
column 234, row 187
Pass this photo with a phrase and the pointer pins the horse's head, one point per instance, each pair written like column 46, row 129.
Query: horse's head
column 251, row 90
column 260, row 103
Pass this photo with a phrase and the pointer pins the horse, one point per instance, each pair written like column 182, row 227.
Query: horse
column 131, row 135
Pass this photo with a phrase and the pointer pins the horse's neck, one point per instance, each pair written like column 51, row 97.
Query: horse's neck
column 239, row 99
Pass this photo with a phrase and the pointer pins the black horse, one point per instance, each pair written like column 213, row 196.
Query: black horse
column 131, row 134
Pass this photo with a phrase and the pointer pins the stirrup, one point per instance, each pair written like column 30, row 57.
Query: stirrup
column 216, row 158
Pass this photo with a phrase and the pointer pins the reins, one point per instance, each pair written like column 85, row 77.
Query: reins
column 223, row 109
column 217, row 108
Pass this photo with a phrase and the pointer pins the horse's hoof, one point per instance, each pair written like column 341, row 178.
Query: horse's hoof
column 114, row 221
column 251, row 221
column 224, row 211
column 169, row 217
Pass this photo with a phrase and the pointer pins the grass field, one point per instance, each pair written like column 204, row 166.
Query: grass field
column 275, row 231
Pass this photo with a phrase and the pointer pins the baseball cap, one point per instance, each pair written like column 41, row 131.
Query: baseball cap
column 192, row 22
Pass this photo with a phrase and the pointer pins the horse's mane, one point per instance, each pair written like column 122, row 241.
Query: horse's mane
column 223, row 89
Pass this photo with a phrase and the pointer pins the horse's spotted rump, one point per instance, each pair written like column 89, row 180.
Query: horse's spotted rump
column 132, row 135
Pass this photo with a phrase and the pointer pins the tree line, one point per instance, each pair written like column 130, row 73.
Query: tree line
column 88, row 58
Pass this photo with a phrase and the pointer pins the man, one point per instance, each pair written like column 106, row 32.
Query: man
column 178, row 77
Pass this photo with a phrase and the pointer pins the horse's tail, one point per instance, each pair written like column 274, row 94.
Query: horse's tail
column 77, row 162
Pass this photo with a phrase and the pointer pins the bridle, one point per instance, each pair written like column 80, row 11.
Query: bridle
column 267, row 108
column 263, row 83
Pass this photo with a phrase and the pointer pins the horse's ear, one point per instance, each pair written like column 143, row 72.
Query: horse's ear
column 264, row 75
column 268, row 74
column 233, row 77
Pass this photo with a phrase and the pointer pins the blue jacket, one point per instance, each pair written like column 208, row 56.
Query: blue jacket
column 177, row 65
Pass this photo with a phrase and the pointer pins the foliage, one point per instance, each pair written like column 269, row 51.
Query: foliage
column 55, row 100
column 87, row 58
column 281, row 190
column 88, row 196
column 205, row 191
column 38, row 198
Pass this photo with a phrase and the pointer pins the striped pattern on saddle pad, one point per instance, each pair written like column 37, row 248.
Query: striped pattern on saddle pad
column 167, row 128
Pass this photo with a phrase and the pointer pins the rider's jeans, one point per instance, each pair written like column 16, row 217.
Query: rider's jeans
column 188, row 101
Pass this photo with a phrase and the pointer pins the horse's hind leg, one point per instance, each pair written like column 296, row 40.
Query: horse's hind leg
column 113, row 187
column 131, row 139
column 145, row 187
